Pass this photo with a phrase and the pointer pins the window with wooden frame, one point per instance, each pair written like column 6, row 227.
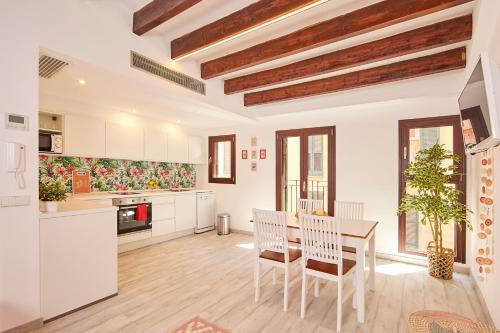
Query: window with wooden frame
column 222, row 159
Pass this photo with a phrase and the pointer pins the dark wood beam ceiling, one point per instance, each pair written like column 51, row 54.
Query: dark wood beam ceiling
column 435, row 35
column 158, row 11
column 436, row 63
column 254, row 15
column 376, row 16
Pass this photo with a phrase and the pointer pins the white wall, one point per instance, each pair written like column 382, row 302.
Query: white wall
column 19, row 264
column 486, row 37
column 366, row 160
column 96, row 32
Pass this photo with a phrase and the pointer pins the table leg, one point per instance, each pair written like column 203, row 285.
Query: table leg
column 372, row 258
column 360, row 281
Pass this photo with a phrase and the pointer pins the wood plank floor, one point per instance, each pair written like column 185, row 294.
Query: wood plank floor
column 163, row 286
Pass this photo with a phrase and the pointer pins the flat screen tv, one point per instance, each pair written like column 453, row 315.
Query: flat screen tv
column 479, row 106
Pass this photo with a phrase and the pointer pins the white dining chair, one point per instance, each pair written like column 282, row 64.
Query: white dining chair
column 322, row 258
column 309, row 205
column 349, row 210
column 271, row 244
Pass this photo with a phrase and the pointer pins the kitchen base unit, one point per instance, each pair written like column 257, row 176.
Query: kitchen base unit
column 78, row 258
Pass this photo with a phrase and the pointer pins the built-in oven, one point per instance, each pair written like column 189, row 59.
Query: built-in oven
column 50, row 143
column 134, row 214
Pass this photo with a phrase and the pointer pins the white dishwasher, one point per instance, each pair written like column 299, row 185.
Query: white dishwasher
column 205, row 212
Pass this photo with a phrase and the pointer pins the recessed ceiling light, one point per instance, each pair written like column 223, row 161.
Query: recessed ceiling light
column 134, row 110
column 178, row 121
column 82, row 82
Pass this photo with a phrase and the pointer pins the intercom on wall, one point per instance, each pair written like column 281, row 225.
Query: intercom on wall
column 16, row 121
column 16, row 161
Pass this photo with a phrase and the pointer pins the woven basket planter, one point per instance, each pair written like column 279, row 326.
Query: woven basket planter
column 440, row 264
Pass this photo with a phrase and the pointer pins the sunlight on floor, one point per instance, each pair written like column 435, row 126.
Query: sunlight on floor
column 248, row 246
column 397, row 268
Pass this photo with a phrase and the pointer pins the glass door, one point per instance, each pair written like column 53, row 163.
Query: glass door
column 415, row 135
column 317, row 168
column 305, row 167
column 291, row 188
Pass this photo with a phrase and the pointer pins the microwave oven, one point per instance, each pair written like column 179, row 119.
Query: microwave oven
column 50, row 143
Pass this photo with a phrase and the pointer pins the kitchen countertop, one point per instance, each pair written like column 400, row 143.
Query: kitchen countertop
column 140, row 193
column 81, row 204
column 72, row 207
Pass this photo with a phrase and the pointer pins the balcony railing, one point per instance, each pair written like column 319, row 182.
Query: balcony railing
column 316, row 189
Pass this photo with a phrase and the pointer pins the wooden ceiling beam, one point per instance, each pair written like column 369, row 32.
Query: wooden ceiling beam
column 239, row 22
column 376, row 16
column 432, row 64
column 157, row 12
column 435, row 35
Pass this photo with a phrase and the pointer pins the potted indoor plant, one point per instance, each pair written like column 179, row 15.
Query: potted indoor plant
column 429, row 177
column 51, row 194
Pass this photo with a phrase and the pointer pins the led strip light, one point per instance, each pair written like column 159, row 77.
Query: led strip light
column 244, row 32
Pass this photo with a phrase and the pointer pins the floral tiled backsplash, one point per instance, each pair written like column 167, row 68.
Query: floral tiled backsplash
column 116, row 175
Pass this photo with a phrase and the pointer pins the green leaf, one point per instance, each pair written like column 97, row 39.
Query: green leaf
column 429, row 192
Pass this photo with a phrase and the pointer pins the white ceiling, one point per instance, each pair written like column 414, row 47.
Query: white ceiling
column 106, row 90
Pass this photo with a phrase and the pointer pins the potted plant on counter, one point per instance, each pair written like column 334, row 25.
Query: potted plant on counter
column 428, row 181
column 51, row 194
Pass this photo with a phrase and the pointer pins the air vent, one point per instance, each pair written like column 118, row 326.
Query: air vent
column 48, row 66
column 147, row 65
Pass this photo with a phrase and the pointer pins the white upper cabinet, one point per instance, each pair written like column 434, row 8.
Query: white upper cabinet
column 178, row 147
column 124, row 142
column 84, row 136
column 155, row 145
column 93, row 137
column 196, row 150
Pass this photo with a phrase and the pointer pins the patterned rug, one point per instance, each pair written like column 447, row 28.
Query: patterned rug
column 199, row 325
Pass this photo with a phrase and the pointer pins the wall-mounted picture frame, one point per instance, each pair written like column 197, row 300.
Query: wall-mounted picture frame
column 253, row 166
column 244, row 154
column 253, row 141
column 254, row 154
column 263, row 154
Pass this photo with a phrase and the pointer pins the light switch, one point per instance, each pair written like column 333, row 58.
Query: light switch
column 17, row 200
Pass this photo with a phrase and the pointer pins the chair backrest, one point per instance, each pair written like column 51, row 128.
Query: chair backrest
column 349, row 210
column 270, row 231
column 321, row 239
column 309, row 205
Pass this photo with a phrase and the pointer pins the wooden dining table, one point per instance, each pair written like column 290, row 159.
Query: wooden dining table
column 359, row 234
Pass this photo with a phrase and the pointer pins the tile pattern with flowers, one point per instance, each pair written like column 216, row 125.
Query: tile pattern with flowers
column 116, row 175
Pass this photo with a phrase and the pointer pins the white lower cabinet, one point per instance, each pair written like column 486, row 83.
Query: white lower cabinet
column 164, row 210
column 185, row 212
column 172, row 214
column 163, row 227
column 78, row 260
column 163, row 216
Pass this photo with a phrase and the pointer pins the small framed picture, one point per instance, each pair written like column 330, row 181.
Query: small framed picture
column 254, row 166
column 262, row 154
column 253, row 141
column 254, row 154
column 244, row 154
